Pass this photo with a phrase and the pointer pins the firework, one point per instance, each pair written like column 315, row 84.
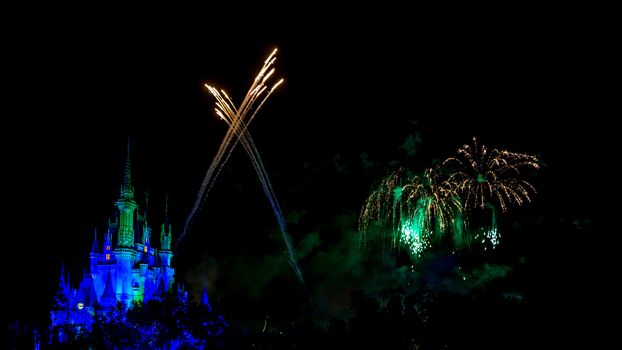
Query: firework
column 235, row 117
column 437, row 205
column 382, row 204
column 419, row 209
column 237, row 126
column 490, row 177
column 487, row 179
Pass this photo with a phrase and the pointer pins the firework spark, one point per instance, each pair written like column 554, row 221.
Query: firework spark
column 235, row 117
column 490, row 176
column 487, row 179
column 382, row 204
column 421, row 209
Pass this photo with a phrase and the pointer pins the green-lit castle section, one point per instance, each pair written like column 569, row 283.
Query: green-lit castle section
column 125, row 267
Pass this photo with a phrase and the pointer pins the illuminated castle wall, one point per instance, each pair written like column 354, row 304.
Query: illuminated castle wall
column 126, row 267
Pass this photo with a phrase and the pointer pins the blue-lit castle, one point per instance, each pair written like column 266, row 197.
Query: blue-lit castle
column 126, row 267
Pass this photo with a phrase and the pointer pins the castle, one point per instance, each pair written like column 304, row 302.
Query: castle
column 126, row 268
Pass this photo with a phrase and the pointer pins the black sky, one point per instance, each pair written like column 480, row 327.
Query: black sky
column 77, row 86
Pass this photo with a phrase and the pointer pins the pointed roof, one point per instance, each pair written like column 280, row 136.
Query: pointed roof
column 205, row 299
column 147, row 195
column 108, row 296
column 127, row 190
column 95, row 246
column 166, row 209
column 161, row 289
column 127, row 177
column 87, row 288
column 61, row 284
column 108, row 234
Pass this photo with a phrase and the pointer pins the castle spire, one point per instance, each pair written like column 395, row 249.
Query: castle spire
column 166, row 209
column 146, row 229
column 61, row 283
column 165, row 254
column 127, row 178
column 126, row 205
column 147, row 194
column 127, row 190
column 204, row 297
column 165, row 230
column 94, row 248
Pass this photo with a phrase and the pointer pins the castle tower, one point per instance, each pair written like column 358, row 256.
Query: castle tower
column 126, row 205
column 146, row 239
column 94, row 255
column 165, row 252
column 165, row 239
column 124, row 251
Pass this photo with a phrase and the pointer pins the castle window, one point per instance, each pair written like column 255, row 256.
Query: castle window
column 107, row 257
column 145, row 249
column 107, row 247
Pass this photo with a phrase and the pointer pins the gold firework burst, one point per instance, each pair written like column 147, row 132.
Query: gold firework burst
column 491, row 176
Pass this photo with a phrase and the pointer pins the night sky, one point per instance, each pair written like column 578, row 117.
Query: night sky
column 357, row 86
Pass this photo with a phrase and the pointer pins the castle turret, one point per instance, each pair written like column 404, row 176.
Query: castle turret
column 60, row 304
column 63, row 287
column 95, row 248
column 146, row 239
column 165, row 254
column 165, row 239
column 124, row 252
column 126, row 205
column 204, row 298
column 94, row 252
column 108, row 246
